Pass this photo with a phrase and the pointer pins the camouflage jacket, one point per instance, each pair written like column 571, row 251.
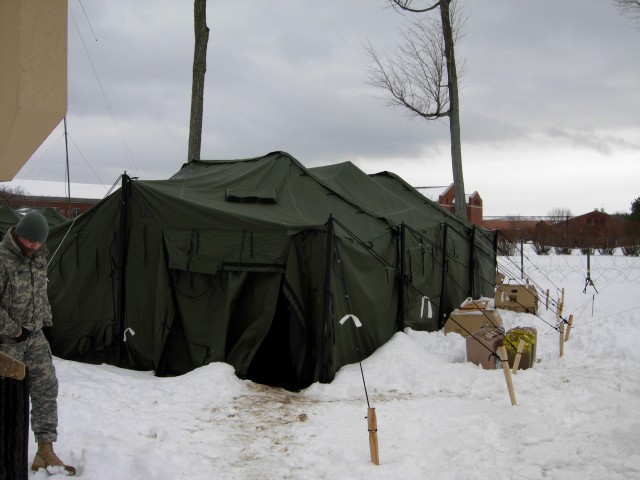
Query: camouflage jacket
column 23, row 288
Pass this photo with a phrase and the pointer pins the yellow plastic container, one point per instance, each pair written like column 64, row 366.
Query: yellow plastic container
column 511, row 341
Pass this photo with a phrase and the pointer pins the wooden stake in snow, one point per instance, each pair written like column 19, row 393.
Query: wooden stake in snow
column 507, row 374
column 566, row 337
column 560, row 307
column 516, row 361
column 561, row 338
column 372, row 421
column 372, row 425
column 547, row 301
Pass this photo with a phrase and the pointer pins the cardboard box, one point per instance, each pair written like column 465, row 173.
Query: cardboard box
column 479, row 304
column 518, row 298
column 465, row 322
column 482, row 346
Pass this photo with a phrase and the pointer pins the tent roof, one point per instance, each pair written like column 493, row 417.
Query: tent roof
column 386, row 194
column 274, row 191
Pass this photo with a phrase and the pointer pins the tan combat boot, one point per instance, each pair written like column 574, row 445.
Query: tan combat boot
column 47, row 459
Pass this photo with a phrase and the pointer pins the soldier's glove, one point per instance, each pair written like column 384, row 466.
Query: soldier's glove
column 48, row 334
column 24, row 334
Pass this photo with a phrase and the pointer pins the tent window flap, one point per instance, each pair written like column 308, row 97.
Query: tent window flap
column 210, row 251
column 251, row 195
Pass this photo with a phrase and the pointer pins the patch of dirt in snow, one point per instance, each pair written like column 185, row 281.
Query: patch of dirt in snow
column 264, row 427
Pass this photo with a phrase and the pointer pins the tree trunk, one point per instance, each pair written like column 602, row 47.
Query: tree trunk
column 454, row 111
column 199, row 69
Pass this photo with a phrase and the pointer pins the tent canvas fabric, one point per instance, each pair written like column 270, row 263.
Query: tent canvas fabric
column 446, row 259
column 257, row 262
column 8, row 218
column 469, row 252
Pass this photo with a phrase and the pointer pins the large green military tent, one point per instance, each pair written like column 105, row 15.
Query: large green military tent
column 259, row 263
column 226, row 261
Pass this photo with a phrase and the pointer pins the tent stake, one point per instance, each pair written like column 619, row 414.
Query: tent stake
column 560, row 307
column 547, row 302
column 516, row 361
column 566, row 337
column 561, row 339
column 507, row 374
column 372, row 425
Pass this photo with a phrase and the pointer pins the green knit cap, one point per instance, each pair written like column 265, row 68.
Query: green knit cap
column 33, row 226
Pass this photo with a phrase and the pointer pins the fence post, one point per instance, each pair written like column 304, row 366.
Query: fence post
column 14, row 420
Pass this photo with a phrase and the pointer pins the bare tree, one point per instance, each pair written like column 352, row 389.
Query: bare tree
column 10, row 195
column 199, row 69
column 558, row 214
column 424, row 79
column 630, row 8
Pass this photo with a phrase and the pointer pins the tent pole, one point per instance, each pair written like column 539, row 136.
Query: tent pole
column 122, row 262
column 445, row 267
column 403, row 278
column 68, row 171
column 325, row 375
column 472, row 261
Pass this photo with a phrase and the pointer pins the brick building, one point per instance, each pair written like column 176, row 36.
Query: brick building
column 67, row 207
column 446, row 199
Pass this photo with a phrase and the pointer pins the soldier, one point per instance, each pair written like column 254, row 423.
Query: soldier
column 25, row 329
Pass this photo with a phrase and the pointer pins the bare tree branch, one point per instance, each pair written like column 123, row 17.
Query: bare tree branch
column 423, row 78
column 414, row 79
column 10, row 194
column 629, row 8
column 406, row 6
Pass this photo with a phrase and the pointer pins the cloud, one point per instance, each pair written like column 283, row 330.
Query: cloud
column 293, row 76
column 606, row 144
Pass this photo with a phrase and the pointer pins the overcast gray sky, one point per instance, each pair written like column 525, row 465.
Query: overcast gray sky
column 550, row 98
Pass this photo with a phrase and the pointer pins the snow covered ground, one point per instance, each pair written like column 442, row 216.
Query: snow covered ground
column 439, row 417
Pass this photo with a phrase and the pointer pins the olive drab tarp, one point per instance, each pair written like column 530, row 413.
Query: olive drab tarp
column 446, row 259
column 259, row 263
column 8, row 218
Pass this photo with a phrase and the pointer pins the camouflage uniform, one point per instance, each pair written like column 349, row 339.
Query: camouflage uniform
column 24, row 303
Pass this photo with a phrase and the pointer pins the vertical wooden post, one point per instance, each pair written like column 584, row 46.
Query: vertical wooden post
column 561, row 338
column 516, row 361
column 559, row 309
column 372, row 425
column 507, row 374
column 566, row 337
column 547, row 301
